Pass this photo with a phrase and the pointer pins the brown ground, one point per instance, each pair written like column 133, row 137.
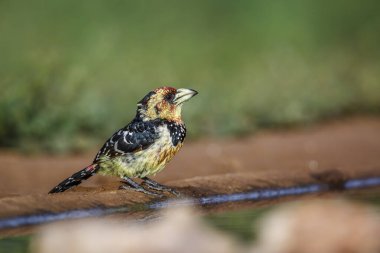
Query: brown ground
column 284, row 157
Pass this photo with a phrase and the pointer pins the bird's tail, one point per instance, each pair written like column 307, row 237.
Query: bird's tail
column 76, row 178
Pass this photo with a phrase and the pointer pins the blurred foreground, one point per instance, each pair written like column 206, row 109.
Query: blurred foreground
column 329, row 226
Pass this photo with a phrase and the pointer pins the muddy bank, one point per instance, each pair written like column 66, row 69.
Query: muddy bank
column 202, row 168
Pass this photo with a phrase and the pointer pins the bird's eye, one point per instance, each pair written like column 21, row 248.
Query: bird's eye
column 169, row 97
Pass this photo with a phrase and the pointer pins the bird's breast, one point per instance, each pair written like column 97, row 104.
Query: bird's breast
column 150, row 160
column 161, row 151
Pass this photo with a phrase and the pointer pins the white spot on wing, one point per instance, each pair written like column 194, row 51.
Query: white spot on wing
column 125, row 134
column 116, row 148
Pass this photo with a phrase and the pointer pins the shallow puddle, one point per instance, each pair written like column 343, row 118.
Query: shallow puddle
column 241, row 223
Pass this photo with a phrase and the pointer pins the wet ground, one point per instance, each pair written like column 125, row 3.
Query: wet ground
column 330, row 152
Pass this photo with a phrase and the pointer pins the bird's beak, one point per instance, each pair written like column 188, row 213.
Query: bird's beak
column 183, row 95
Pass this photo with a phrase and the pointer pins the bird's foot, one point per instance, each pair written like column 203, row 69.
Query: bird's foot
column 129, row 184
column 151, row 184
column 127, row 187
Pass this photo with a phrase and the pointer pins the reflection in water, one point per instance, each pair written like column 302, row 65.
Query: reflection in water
column 256, row 195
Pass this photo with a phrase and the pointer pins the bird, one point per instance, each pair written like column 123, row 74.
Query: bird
column 144, row 146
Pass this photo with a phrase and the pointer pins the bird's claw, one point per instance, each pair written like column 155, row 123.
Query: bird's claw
column 174, row 192
column 126, row 187
column 162, row 188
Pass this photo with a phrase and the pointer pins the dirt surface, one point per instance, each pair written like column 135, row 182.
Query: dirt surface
column 269, row 158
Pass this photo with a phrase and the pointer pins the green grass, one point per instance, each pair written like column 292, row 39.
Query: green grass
column 242, row 224
column 17, row 244
column 71, row 71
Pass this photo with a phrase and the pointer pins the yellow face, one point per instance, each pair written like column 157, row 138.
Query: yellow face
column 164, row 103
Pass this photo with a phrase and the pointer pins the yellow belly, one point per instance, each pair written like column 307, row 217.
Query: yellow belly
column 140, row 164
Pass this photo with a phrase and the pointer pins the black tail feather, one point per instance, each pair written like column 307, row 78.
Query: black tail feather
column 75, row 179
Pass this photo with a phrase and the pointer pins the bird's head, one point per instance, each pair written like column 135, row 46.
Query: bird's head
column 164, row 103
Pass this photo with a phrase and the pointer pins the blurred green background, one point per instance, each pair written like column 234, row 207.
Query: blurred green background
column 71, row 71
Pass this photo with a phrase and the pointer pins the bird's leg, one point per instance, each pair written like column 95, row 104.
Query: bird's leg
column 158, row 187
column 129, row 184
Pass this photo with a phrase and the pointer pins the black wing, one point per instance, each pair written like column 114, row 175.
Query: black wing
column 138, row 135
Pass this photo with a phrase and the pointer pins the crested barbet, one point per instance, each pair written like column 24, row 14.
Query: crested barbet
column 144, row 146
